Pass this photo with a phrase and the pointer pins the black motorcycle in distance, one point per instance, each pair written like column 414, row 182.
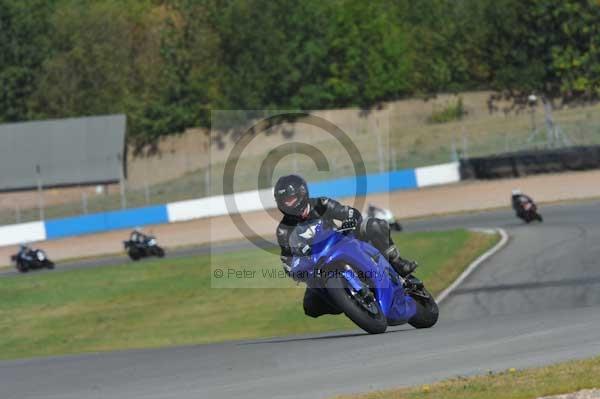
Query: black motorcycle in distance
column 143, row 249
column 30, row 259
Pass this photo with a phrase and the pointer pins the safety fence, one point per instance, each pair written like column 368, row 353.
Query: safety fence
column 217, row 205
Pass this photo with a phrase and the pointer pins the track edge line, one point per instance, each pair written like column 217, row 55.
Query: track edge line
column 474, row 265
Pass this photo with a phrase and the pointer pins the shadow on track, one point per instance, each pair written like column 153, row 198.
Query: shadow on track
column 324, row 337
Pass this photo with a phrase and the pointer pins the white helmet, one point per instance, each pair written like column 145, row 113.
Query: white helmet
column 516, row 192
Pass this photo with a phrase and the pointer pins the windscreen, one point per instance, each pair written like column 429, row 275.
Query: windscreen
column 303, row 236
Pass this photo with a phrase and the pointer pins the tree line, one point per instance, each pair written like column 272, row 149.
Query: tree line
column 166, row 63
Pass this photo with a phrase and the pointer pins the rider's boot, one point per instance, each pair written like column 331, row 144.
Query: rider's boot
column 403, row 266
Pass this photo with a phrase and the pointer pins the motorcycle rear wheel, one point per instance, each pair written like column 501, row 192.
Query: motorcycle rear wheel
column 340, row 292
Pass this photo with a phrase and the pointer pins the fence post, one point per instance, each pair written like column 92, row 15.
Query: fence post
column 84, row 202
column 380, row 150
column 146, row 188
column 40, row 191
column 18, row 212
column 122, row 181
column 453, row 152
column 207, row 181
column 147, row 193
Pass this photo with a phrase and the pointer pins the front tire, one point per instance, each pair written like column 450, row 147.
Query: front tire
column 50, row 265
column 158, row 251
column 133, row 254
column 427, row 311
column 22, row 268
column 339, row 291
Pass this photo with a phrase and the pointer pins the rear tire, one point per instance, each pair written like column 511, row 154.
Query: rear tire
column 427, row 312
column 337, row 288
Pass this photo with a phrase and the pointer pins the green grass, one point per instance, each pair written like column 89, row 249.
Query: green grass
column 452, row 111
column 511, row 384
column 173, row 301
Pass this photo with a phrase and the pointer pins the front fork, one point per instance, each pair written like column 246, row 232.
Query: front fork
column 358, row 287
column 355, row 283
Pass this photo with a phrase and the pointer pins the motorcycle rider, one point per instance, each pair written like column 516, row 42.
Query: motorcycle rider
column 292, row 198
column 25, row 252
column 518, row 202
column 137, row 236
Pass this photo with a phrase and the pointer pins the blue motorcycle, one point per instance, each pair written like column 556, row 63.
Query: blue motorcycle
column 354, row 277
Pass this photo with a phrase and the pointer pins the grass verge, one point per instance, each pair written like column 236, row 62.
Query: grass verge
column 173, row 301
column 511, row 384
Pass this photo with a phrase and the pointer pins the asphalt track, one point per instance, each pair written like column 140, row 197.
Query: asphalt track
column 535, row 302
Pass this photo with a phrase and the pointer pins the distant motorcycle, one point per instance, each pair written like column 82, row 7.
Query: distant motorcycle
column 29, row 259
column 143, row 249
column 384, row 214
column 529, row 213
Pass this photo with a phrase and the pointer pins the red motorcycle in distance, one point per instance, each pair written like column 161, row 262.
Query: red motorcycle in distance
column 529, row 213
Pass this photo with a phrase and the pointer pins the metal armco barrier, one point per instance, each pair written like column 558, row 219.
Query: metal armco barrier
column 531, row 162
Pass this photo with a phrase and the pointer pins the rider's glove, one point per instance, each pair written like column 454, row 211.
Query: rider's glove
column 349, row 224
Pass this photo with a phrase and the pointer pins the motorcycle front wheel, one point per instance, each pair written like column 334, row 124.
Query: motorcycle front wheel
column 134, row 254
column 22, row 268
column 158, row 251
column 365, row 314
column 427, row 311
